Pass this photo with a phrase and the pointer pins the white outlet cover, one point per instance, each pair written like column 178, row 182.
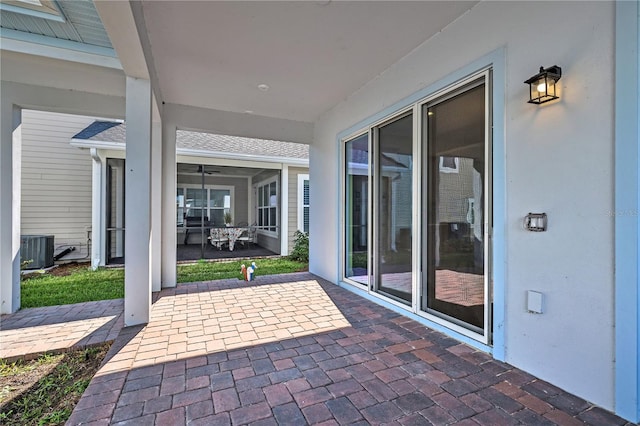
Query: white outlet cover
column 534, row 302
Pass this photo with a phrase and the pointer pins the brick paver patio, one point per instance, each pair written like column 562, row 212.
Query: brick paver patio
column 293, row 350
column 31, row 332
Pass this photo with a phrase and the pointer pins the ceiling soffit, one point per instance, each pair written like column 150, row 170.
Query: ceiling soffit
column 68, row 21
column 311, row 55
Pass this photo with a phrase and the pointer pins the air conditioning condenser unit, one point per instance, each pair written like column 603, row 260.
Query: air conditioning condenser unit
column 38, row 249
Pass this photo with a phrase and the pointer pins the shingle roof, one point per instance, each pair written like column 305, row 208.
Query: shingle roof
column 95, row 128
column 105, row 131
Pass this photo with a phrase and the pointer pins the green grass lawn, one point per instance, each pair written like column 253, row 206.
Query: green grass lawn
column 81, row 285
column 84, row 285
column 205, row 271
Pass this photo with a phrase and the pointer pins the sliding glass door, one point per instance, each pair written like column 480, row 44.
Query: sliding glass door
column 393, row 176
column 454, row 246
column 424, row 174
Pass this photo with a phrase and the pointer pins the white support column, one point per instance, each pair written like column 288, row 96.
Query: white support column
column 96, row 210
column 137, row 278
column 103, row 211
column 284, row 210
column 156, row 206
column 169, row 210
column 10, row 152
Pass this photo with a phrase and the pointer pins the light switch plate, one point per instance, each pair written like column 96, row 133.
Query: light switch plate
column 534, row 302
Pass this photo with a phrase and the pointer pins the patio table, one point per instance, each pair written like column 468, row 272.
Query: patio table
column 231, row 233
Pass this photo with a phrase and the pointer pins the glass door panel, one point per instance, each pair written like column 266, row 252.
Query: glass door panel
column 356, row 210
column 454, row 180
column 115, row 231
column 394, row 175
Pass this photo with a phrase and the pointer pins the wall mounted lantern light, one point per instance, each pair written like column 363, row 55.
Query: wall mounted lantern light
column 542, row 86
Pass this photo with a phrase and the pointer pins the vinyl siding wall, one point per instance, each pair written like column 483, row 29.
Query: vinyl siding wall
column 56, row 181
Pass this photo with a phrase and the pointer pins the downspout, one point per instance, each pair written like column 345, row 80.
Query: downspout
column 96, row 209
column 284, row 210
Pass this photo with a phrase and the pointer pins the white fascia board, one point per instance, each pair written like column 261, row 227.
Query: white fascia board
column 184, row 152
column 85, row 143
column 54, row 48
column 301, row 162
column 208, row 120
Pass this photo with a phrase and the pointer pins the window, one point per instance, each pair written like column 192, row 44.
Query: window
column 268, row 205
column 303, row 203
column 215, row 200
column 219, row 205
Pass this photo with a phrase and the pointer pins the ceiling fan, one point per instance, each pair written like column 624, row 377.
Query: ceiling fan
column 201, row 168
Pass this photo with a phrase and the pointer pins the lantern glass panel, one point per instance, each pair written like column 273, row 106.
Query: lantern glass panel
column 542, row 86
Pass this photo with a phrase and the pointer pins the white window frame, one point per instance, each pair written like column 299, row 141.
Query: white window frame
column 258, row 187
column 301, row 204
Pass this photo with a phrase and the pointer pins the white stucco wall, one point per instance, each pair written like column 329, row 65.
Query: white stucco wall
column 559, row 160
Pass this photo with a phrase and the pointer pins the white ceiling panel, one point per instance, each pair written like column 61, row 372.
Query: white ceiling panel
column 312, row 55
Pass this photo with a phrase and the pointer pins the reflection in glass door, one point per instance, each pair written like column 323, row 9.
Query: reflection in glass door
column 393, row 176
column 454, row 246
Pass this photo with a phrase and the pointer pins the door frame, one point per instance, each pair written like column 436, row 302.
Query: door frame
column 495, row 61
column 447, row 93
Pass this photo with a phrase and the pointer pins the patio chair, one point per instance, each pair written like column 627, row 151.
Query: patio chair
column 218, row 237
column 248, row 237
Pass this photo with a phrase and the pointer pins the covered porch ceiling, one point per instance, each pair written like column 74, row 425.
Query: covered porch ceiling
column 310, row 54
column 255, row 69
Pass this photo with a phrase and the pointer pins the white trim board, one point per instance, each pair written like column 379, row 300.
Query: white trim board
column 240, row 158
